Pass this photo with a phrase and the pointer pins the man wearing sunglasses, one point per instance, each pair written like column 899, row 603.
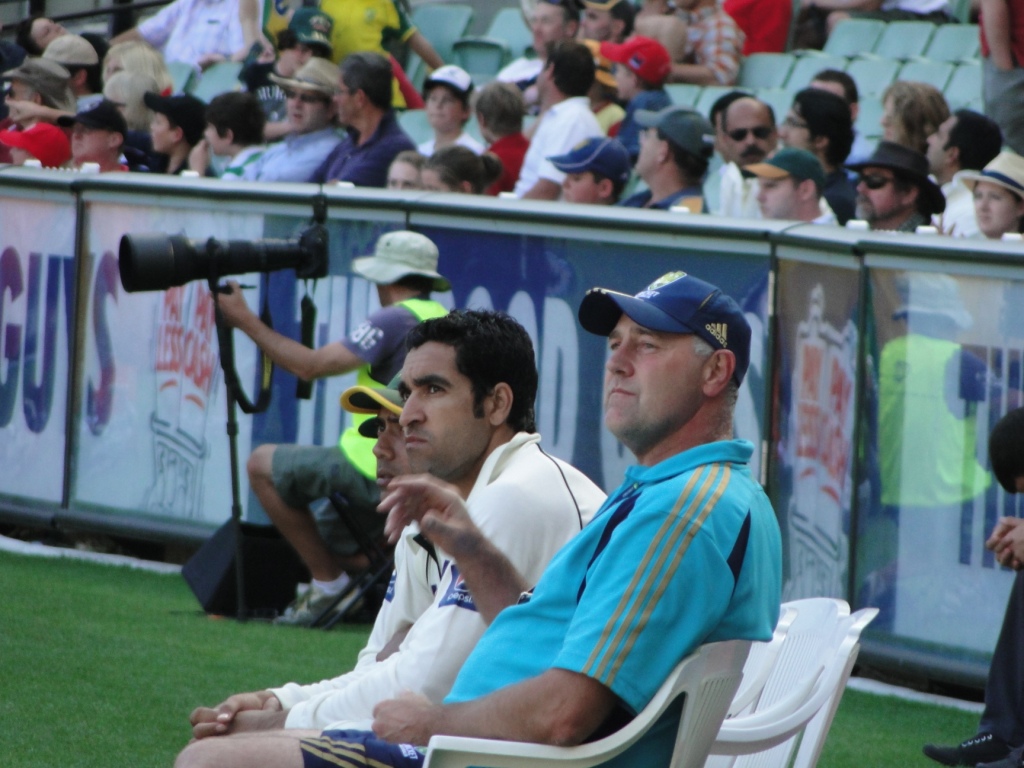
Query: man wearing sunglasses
column 748, row 135
column 309, row 99
column 894, row 191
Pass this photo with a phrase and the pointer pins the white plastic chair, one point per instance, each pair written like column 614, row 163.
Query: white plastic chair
column 760, row 663
column 708, row 678
column 802, row 694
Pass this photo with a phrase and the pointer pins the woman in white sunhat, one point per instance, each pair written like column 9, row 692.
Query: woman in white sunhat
column 998, row 195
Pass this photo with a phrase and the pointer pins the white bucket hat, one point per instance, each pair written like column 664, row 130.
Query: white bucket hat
column 1005, row 170
column 401, row 254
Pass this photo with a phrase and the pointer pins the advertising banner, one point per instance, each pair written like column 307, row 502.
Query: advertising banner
column 37, row 283
column 151, row 435
column 945, row 355
column 814, row 417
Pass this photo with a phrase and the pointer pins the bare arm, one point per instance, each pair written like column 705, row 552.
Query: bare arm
column 558, row 707
column 27, row 110
column 995, row 21
column 425, row 50
column 275, row 131
column 692, row 73
column 443, row 518
column 543, row 189
column 308, row 364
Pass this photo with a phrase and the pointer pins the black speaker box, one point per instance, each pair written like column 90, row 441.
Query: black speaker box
column 270, row 567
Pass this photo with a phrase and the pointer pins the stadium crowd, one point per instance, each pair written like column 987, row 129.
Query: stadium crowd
column 588, row 119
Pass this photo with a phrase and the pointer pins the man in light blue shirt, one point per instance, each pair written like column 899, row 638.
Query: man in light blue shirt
column 311, row 110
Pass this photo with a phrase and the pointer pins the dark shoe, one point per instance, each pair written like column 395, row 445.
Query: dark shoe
column 1013, row 760
column 983, row 748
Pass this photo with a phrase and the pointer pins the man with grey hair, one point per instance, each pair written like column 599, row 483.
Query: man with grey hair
column 363, row 101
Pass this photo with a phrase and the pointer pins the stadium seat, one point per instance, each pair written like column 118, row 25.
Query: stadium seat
column 954, row 43
column 765, row 70
column 854, row 36
column 217, row 79
column 961, row 10
column 710, row 95
column 414, row 122
column 904, row 39
column 935, row 73
column 683, row 94
column 807, row 67
column 873, row 75
column 965, row 84
column 869, row 118
column 508, row 25
column 481, row 57
column 182, row 75
column 779, row 99
column 442, row 24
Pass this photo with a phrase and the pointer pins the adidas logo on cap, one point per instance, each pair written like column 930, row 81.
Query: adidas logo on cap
column 720, row 331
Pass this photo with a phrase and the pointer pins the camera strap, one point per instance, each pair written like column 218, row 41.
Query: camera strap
column 226, row 339
column 304, row 389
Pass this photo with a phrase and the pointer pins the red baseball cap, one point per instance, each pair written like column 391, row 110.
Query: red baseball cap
column 44, row 141
column 644, row 57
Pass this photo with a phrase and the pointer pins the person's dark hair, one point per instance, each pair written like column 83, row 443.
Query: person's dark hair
column 23, row 35
column 572, row 66
column 490, row 348
column 370, row 73
column 690, row 165
column 93, row 75
column 419, row 283
column 625, row 12
column 502, row 107
column 827, row 115
column 570, row 9
column 286, row 39
column 1006, row 449
column 849, row 85
column 722, row 103
column 456, row 164
column 903, row 183
column 617, row 184
column 241, row 113
column 977, row 137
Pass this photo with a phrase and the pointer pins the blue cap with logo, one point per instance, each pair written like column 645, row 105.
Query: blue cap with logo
column 601, row 155
column 674, row 303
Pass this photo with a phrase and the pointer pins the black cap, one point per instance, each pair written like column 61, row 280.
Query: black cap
column 185, row 111
column 104, row 115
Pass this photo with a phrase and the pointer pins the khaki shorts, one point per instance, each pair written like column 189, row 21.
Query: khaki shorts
column 302, row 474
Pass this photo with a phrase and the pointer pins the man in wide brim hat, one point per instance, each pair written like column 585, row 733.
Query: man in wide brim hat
column 894, row 191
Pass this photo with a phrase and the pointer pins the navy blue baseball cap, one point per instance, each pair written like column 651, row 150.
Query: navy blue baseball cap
column 674, row 303
column 601, row 155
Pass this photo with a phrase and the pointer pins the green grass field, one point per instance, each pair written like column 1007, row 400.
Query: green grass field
column 100, row 666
